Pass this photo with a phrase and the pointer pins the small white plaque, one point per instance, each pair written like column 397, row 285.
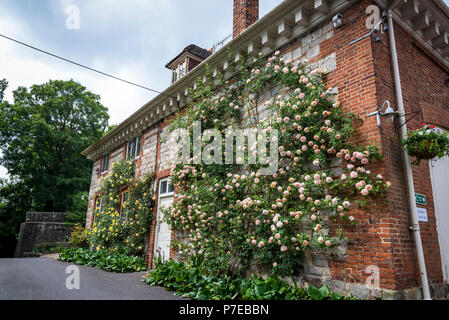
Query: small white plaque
column 422, row 214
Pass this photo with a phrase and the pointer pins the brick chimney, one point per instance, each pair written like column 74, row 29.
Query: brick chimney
column 246, row 12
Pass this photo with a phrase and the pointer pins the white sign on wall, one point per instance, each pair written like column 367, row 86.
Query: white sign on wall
column 422, row 214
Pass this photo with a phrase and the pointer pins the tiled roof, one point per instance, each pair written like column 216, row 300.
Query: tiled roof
column 193, row 49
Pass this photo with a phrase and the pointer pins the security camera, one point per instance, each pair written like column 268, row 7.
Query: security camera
column 337, row 20
column 384, row 18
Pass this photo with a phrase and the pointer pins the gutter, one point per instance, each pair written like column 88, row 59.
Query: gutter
column 406, row 157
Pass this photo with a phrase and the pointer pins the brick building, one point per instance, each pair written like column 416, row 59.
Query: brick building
column 365, row 73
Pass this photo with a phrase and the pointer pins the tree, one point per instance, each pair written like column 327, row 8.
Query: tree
column 14, row 202
column 42, row 135
column 77, row 211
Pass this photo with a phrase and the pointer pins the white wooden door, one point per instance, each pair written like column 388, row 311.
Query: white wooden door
column 163, row 232
column 439, row 172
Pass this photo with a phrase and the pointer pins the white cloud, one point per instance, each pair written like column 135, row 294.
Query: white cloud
column 121, row 99
column 131, row 39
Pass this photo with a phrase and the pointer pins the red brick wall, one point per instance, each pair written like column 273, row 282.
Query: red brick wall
column 364, row 81
column 369, row 242
column 424, row 86
column 246, row 12
column 192, row 63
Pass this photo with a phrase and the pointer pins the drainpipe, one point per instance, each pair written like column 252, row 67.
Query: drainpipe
column 406, row 157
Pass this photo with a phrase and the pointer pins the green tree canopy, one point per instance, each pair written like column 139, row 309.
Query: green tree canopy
column 42, row 135
column 15, row 199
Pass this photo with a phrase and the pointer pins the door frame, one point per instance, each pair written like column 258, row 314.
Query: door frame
column 444, row 247
column 165, row 195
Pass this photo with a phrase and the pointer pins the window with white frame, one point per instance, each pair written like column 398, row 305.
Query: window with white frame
column 105, row 164
column 165, row 188
column 180, row 71
column 133, row 149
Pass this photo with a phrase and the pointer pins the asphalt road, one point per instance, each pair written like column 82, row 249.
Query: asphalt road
column 45, row 279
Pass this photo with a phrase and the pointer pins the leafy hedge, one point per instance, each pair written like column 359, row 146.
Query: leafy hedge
column 103, row 259
column 190, row 282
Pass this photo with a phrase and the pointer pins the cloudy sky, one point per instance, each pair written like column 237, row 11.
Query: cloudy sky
column 132, row 39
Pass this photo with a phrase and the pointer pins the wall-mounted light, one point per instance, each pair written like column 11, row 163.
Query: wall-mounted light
column 337, row 21
column 97, row 171
column 389, row 113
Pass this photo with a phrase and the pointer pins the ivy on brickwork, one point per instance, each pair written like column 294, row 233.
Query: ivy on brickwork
column 233, row 215
column 118, row 224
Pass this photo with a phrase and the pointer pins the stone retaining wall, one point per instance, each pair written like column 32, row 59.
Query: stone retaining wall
column 41, row 227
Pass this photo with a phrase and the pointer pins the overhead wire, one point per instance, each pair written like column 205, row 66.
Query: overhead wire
column 81, row 65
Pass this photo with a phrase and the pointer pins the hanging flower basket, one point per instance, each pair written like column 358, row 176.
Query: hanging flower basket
column 427, row 143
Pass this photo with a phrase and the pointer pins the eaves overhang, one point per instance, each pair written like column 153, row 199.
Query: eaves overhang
column 427, row 21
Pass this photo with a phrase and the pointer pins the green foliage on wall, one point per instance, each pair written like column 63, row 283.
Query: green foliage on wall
column 129, row 225
column 235, row 216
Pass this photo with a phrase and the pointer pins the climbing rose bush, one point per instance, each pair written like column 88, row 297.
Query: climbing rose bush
column 235, row 216
column 123, row 228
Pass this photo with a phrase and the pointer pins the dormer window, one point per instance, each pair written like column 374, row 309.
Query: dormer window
column 188, row 59
column 179, row 71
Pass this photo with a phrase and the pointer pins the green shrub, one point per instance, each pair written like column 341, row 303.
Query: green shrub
column 128, row 226
column 191, row 282
column 50, row 247
column 79, row 237
column 103, row 259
